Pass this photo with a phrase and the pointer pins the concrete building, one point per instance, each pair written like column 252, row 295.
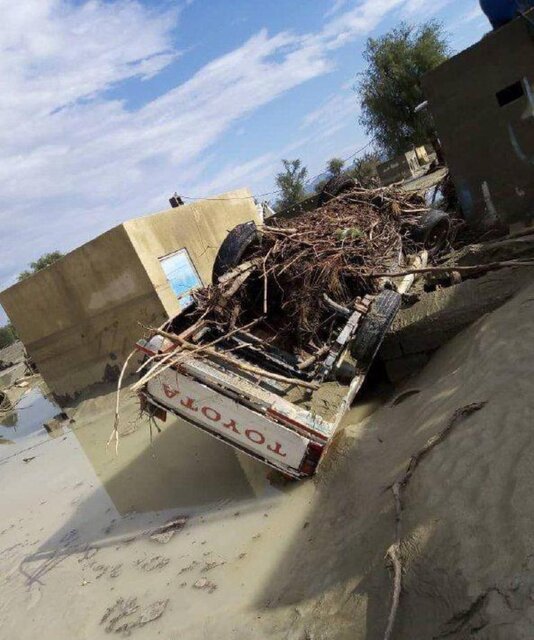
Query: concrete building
column 79, row 318
column 402, row 167
column 482, row 101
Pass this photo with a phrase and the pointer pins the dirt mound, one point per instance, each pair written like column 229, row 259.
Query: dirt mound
column 467, row 544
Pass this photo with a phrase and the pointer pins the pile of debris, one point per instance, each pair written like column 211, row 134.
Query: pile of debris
column 297, row 272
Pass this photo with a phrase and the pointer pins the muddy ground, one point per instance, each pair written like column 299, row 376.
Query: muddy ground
column 245, row 556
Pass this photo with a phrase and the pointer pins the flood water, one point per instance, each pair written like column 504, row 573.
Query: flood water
column 78, row 515
column 25, row 422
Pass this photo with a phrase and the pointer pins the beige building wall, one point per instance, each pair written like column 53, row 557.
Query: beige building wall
column 482, row 102
column 200, row 228
column 79, row 318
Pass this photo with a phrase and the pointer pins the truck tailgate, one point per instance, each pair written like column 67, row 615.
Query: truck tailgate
column 219, row 414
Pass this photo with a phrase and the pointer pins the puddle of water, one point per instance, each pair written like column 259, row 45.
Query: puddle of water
column 28, row 417
column 180, row 468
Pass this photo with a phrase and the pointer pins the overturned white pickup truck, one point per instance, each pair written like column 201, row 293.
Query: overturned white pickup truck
column 239, row 386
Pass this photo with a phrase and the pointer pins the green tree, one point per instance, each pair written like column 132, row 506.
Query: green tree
column 319, row 186
column 390, row 88
column 291, row 183
column 364, row 169
column 7, row 336
column 335, row 166
column 44, row 261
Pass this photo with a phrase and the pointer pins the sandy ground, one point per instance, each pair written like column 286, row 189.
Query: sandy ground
column 252, row 558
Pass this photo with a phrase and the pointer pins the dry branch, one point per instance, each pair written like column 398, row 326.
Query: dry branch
column 491, row 266
column 332, row 252
column 208, row 351
column 393, row 555
column 245, row 266
column 527, row 231
column 115, row 431
column 177, row 356
column 394, row 552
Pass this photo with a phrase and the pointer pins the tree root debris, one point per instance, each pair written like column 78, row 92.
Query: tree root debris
column 332, row 251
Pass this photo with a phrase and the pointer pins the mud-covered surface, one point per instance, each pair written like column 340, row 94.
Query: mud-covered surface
column 146, row 542
column 184, row 538
column 324, row 401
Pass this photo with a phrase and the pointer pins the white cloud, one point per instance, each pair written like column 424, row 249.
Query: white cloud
column 423, row 9
column 318, row 128
column 336, row 110
column 94, row 150
column 474, row 13
column 73, row 162
column 54, row 54
column 335, row 7
column 359, row 20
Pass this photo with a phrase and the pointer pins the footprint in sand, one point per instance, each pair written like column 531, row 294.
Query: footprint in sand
column 153, row 564
column 126, row 615
column 205, row 585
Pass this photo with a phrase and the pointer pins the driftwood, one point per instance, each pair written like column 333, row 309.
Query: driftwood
column 237, row 283
column 518, row 246
column 479, row 268
column 394, row 552
column 393, row 556
column 309, row 362
column 115, row 431
column 330, row 252
column 177, row 356
column 245, row 266
column 164, row 360
column 527, row 231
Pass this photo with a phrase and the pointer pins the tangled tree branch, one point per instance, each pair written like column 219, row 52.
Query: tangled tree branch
column 394, row 552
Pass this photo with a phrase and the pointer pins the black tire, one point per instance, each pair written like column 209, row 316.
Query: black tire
column 240, row 239
column 433, row 230
column 334, row 187
column 374, row 327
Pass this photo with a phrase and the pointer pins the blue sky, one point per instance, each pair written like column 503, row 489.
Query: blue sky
column 110, row 106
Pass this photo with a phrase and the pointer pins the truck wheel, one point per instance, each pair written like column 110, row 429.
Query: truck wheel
column 374, row 327
column 334, row 187
column 433, row 230
column 240, row 239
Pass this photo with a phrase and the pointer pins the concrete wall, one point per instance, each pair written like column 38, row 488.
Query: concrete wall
column 483, row 106
column 199, row 227
column 79, row 317
column 399, row 168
